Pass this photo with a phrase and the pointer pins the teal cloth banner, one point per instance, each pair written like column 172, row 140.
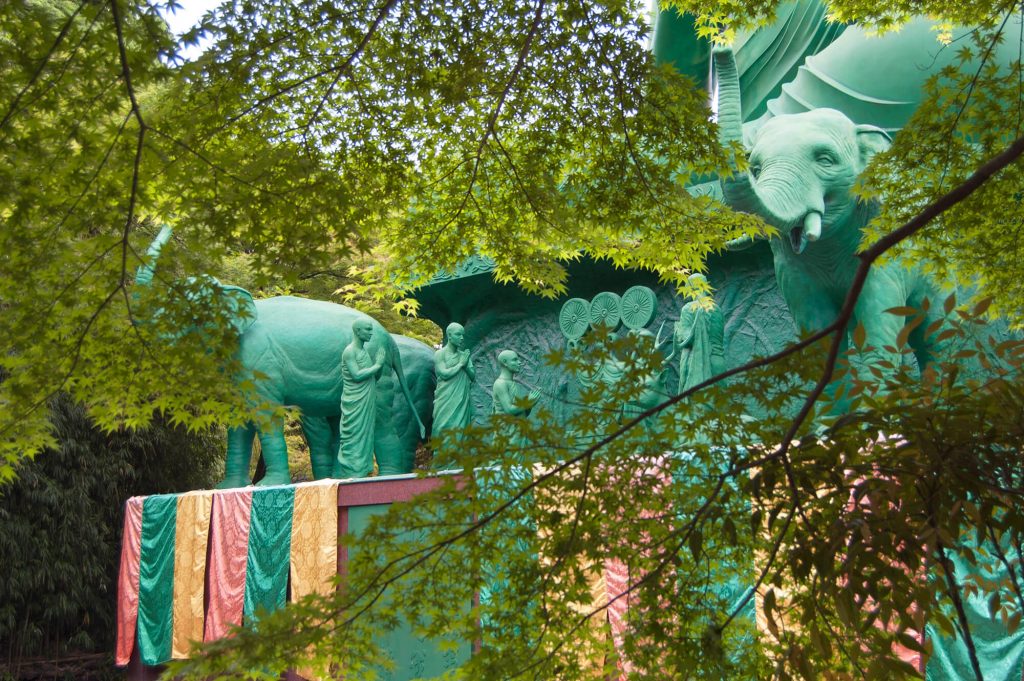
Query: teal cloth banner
column 156, row 578
column 731, row 572
column 1000, row 654
column 499, row 484
column 270, row 543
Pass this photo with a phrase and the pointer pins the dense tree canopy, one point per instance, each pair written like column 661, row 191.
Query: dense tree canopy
column 533, row 133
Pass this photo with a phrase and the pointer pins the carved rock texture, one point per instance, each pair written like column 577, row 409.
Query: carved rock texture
column 501, row 317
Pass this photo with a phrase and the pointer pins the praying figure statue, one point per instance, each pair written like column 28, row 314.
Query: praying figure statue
column 455, row 372
column 699, row 339
column 507, row 393
column 359, row 376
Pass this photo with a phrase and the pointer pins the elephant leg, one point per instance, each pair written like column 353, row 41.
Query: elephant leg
column 322, row 437
column 275, row 454
column 392, row 459
column 927, row 348
column 884, row 288
column 236, row 464
column 813, row 310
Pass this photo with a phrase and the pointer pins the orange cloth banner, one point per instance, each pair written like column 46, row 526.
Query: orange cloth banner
column 128, row 581
column 314, row 548
column 229, row 547
column 191, row 531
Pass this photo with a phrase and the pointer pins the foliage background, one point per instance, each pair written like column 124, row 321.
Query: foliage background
column 532, row 133
column 60, row 534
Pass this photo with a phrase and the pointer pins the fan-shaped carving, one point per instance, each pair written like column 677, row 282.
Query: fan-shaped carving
column 638, row 304
column 605, row 309
column 574, row 319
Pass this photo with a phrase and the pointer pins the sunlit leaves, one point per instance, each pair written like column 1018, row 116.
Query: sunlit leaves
column 972, row 112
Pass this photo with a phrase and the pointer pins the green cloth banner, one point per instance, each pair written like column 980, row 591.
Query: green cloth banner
column 156, row 578
column 270, row 542
column 1000, row 654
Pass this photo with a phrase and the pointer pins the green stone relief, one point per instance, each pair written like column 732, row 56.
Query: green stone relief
column 498, row 316
column 652, row 373
column 603, row 370
column 295, row 347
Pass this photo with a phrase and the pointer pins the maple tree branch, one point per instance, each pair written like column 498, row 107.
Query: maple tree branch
column 13, row 107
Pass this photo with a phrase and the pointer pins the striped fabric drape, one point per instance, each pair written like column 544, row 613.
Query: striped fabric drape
column 156, row 578
column 128, row 581
column 229, row 542
column 267, row 546
column 194, row 565
column 190, row 539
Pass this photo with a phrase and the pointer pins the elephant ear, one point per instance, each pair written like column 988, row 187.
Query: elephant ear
column 243, row 307
column 871, row 140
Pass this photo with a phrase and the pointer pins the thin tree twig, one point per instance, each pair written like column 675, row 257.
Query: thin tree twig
column 12, row 108
column 954, row 593
column 341, row 70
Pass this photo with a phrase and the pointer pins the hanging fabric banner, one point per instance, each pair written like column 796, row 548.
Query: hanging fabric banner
column 190, row 540
column 1000, row 654
column 314, row 543
column 128, row 581
column 266, row 572
column 156, row 578
column 229, row 550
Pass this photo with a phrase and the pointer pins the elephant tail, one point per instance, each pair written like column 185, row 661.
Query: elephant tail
column 144, row 275
column 396, row 363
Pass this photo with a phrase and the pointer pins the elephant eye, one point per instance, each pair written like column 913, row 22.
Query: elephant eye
column 826, row 160
column 755, row 170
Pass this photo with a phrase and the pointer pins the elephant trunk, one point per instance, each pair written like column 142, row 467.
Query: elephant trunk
column 396, row 364
column 144, row 275
column 738, row 192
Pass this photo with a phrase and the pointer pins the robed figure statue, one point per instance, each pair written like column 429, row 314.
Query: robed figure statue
column 359, row 374
column 455, row 372
column 699, row 339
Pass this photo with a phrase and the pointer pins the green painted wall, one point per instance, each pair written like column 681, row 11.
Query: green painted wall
column 414, row 656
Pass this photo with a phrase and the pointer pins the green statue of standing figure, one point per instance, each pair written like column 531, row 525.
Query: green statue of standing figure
column 453, row 408
column 358, row 403
column 507, row 393
column 699, row 339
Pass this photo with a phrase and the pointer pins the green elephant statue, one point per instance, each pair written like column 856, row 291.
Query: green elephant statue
column 294, row 345
column 802, row 168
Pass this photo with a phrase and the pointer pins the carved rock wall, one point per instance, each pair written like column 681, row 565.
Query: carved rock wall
column 498, row 317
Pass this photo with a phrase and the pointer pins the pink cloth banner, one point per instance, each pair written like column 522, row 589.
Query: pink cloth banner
column 618, row 577
column 229, row 551
column 128, row 581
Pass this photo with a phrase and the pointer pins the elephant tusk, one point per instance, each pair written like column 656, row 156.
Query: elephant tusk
column 812, row 225
column 805, row 232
